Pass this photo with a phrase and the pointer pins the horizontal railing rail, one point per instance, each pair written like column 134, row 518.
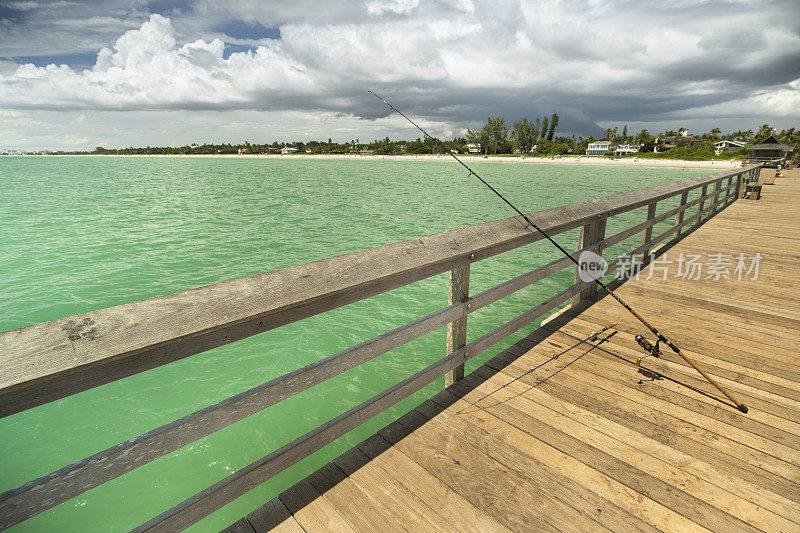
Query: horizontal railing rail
column 48, row 361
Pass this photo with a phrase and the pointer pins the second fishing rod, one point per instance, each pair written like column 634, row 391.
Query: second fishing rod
column 660, row 336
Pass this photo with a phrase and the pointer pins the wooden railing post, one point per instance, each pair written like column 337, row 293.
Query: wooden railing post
column 590, row 234
column 701, row 206
column 682, row 214
column 740, row 180
column 717, row 187
column 457, row 330
column 728, row 194
column 648, row 233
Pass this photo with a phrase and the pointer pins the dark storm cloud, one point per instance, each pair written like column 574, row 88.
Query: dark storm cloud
column 451, row 62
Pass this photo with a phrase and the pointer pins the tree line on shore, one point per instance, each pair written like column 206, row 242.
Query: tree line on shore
column 497, row 137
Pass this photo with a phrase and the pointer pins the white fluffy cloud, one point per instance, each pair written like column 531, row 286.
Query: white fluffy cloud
column 147, row 69
column 452, row 62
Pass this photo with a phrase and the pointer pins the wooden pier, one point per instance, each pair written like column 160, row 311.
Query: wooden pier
column 558, row 432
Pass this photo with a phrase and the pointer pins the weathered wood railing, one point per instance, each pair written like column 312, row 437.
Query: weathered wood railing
column 47, row 361
column 767, row 161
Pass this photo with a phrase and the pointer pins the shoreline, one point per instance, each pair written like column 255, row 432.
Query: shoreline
column 583, row 160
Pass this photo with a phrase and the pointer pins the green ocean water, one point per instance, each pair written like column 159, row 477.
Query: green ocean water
column 83, row 233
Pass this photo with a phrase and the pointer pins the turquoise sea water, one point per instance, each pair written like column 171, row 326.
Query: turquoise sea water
column 83, row 233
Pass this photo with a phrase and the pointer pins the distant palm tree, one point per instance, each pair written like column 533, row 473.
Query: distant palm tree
column 764, row 131
column 553, row 124
column 790, row 137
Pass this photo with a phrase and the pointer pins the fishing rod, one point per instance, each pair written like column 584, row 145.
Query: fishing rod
column 660, row 336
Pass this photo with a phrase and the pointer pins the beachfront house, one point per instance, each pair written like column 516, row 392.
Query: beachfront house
column 625, row 149
column 474, row 148
column 288, row 150
column 598, row 148
column 673, row 141
column 770, row 151
column 725, row 144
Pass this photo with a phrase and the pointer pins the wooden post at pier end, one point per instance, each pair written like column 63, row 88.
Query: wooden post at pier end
column 457, row 330
column 590, row 234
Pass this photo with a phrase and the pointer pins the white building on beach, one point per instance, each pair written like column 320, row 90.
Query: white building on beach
column 625, row 149
column 730, row 146
column 474, row 148
column 598, row 148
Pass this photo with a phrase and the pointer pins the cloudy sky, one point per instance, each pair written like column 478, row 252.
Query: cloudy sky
column 76, row 74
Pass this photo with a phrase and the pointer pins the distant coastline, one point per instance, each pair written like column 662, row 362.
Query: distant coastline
column 602, row 161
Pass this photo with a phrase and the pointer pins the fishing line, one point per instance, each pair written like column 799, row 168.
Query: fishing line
column 660, row 336
column 593, row 337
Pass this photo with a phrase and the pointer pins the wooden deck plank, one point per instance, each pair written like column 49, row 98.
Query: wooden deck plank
column 769, row 408
column 678, row 390
column 544, row 477
column 273, row 516
column 676, row 398
column 374, row 481
column 529, row 493
column 460, row 513
column 465, row 476
column 758, row 378
column 696, row 331
column 643, row 482
column 763, row 508
column 311, row 510
column 361, row 512
column 783, row 412
column 603, row 388
column 645, row 508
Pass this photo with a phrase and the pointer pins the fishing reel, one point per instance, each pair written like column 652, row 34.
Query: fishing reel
column 652, row 350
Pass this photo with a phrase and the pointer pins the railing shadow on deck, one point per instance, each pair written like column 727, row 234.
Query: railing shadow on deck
column 276, row 511
column 43, row 363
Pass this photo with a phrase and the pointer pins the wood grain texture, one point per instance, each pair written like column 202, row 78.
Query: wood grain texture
column 590, row 238
column 457, row 330
column 648, row 233
column 312, row 511
column 223, row 492
column 682, row 207
column 57, row 487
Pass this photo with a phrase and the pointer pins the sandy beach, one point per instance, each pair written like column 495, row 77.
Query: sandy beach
column 627, row 162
